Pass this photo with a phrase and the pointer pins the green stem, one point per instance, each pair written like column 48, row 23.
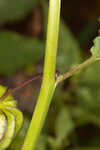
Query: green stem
column 75, row 69
column 48, row 83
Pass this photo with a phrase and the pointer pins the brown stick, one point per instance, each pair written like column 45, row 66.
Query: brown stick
column 11, row 91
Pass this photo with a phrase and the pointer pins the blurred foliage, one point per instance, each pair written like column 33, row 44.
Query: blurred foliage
column 18, row 51
column 95, row 49
column 76, row 102
column 13, row 10
column 68, row 49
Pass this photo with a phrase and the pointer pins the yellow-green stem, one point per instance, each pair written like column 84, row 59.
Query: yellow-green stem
column 48, row 83
column 75, row 69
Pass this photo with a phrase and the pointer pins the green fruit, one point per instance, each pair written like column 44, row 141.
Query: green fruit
column 18, row 117
column 11, row 119
column 9, row 131
column 3, row 125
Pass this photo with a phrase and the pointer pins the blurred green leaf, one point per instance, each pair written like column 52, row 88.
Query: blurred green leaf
column 15, row 9
column 84, row 97
column 90, row 78
column 46, row 142
column 68, row 49
column 86, row 103
column 17, row 51
column 88, row 93
column 64, row 124
column 95, row 50
column 91, row 75
column 42, row 143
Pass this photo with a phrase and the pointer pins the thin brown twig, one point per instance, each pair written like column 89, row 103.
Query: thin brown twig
column 11, row 91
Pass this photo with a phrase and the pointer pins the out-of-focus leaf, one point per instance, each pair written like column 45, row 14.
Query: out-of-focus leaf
column 90, row 78
column 42, row 142
column 79, row 115
column 64, row 124
column 17, row 51
column 91, row 74
column 95, row 50
column 88, row 93
column 90, row 108
column 15, row 9
column 46, row 142
column 84, row 97
column 68, row 49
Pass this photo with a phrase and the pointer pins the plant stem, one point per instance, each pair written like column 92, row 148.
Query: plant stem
column 48, row 83
column 75, row 69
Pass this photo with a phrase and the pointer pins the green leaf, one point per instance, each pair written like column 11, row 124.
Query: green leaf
column 17, row 51
column 95, row 50
column 88, row 93
column 84, row 97
column 90, row 78
column 15, row 9
column 91, row 74
column 68, row 49
column 64, row 124
column 90, row 107
column 42, row 143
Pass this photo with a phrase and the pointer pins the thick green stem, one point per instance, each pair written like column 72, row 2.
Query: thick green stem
column 75, row 69
column 48, row 83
